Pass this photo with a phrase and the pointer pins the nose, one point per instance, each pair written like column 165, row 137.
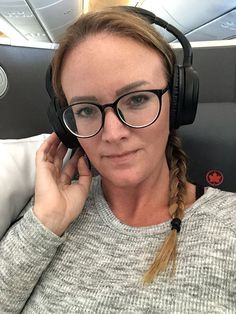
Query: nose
column 113, row 129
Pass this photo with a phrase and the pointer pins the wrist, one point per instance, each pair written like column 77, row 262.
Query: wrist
column 51, row 222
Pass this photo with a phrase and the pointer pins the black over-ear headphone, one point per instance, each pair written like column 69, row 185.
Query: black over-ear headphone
column 184, row 86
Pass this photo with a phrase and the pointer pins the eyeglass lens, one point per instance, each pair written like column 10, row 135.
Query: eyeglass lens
column 137, row 109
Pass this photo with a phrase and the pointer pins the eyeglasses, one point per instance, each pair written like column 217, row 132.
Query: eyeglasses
column 137, row 109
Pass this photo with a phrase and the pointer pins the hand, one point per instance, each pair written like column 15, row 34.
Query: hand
column 58, row 201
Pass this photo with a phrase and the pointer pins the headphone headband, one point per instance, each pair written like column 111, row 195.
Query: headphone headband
column 153, row 19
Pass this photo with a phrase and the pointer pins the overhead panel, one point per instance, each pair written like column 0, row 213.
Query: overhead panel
column 222, row 28
column 194, row 13
column 56, row 16
column 19, row 15
column 188, row 15
column 157, row 8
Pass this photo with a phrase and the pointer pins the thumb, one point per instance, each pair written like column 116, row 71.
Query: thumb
column 85, row 176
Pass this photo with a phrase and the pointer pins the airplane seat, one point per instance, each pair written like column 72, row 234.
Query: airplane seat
column 210, row 144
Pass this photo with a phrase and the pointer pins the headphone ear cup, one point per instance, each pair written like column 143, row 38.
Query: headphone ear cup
column 176, row 97
column 191, row 92
column 55, row 116
column 184, row 98
column 56, row 121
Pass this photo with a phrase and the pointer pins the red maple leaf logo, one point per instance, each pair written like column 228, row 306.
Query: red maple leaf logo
column 214, row 177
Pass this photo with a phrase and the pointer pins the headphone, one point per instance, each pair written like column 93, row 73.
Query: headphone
column 184, row 86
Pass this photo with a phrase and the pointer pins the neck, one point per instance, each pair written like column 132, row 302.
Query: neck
column 142, row 204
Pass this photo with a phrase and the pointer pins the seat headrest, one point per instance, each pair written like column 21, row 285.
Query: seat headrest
column 210, row 144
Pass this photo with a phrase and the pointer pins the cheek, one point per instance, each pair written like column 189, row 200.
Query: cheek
column 160, row 129
column 90, row 147
column 155, row 141
column 156, row 136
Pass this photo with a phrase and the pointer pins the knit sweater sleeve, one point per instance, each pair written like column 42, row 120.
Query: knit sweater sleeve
column 25, row 252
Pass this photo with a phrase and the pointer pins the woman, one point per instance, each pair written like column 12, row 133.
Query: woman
column 89, row 246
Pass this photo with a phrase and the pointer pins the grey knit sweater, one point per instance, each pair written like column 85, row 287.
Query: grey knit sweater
column 98, row 264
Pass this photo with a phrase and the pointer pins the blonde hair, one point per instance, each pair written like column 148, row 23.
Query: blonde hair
column 176, row 159
column 117, row 21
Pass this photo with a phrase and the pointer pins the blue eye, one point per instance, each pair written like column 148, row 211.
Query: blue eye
column 138, row 99
column 85, row 111
column 135, row 101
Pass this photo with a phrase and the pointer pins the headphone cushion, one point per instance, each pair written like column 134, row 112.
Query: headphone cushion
column 191, row 92
column 56, row 121
column 176, row 97
column 184, row 98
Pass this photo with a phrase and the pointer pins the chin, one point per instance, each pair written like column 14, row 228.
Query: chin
column 124, row 178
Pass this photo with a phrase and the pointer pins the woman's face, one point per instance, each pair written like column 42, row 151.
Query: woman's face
column 101, row 69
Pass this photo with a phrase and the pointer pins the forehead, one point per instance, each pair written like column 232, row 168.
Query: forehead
column 110, row 59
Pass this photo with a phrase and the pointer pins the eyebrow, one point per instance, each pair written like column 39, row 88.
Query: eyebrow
column 127, row 88
column 76, row 99
column 123, row 90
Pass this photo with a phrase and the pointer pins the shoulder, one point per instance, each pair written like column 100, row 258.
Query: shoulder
column 222, row 199
column 221, row 205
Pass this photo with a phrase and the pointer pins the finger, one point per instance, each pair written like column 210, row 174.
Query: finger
column 46, row 146
column 49, row 142
column 50, row 156
column 60, row 154
column 51, row 139
column 85, row 176
column 70, row 168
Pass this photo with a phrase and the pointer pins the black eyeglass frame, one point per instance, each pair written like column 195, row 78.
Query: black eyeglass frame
column 158, row 92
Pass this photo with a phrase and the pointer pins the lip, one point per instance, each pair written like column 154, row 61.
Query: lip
column 123, row 157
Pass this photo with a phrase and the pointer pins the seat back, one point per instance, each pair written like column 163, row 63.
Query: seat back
column 210, row 142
